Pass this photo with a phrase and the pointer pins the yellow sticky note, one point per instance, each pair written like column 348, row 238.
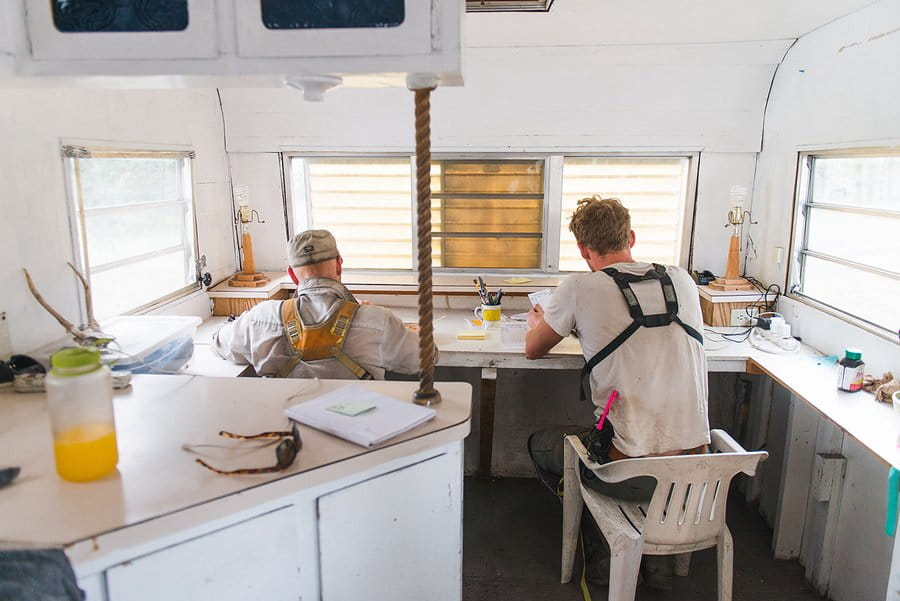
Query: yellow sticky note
column 514, row 281
column 470, row 334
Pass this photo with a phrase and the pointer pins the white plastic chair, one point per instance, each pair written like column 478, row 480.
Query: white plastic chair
column 685, row 514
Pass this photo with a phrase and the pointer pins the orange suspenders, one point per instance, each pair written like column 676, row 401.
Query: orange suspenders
column 319, row 342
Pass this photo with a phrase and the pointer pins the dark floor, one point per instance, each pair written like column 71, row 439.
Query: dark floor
column 511, row 551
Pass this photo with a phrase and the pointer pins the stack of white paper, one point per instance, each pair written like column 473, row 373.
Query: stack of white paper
column 389, row 418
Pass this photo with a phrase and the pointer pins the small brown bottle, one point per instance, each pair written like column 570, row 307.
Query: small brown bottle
column 851, row 371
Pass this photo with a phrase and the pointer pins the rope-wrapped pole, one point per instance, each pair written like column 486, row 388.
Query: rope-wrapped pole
column 426, row 394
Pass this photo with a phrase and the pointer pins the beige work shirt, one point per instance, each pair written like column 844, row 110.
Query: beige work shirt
column 377, row 339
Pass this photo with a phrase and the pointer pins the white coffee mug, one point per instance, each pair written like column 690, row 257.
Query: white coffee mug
column 489, row 315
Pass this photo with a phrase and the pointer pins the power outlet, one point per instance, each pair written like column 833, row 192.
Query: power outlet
column 740, row 318
column 5, row 344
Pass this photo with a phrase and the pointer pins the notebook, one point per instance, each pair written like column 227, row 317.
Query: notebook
column 387, row 419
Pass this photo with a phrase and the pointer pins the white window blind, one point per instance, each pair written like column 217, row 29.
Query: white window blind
column 134, row 222
column 847, row 247
column 653, row 189
column 365, row 203
column 488, row 213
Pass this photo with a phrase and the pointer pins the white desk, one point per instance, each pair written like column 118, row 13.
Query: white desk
column 162, row 520
column 874, row 425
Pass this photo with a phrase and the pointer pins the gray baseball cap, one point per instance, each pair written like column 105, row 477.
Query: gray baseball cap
column 310, row 247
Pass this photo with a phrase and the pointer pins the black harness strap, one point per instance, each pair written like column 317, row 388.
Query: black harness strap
column 624, row 281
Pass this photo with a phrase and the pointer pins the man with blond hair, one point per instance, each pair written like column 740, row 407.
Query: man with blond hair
column 322, row 331
column 639, row 327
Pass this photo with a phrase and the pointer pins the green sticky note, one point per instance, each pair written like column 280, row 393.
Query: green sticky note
column 351, row 408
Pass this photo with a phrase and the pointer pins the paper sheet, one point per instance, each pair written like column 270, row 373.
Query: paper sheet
column 541, row 297
column 512, row 334
column 389, row 418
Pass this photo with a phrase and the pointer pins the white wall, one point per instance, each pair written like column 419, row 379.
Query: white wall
column 837, row 88
column 34, row 228
column 261, row 173
column 688, row 97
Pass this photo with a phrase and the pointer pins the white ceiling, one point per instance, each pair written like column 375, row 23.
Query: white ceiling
column 628, row 22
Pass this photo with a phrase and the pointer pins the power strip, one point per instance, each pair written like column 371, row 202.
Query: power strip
column 781, row 346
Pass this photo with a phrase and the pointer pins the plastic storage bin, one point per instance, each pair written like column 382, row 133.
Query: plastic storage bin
column 152, row 343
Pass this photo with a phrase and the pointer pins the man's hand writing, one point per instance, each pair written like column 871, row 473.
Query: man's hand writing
column 535, row 316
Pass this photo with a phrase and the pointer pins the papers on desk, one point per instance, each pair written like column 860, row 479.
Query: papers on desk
column 512, row 334
column 470, row 334
column 389, row 417
column 541, row 297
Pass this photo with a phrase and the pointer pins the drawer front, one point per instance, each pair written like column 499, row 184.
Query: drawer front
column 398, row 536
column 254, row 559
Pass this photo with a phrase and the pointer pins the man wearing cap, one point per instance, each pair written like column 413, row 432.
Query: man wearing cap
column 322, row 331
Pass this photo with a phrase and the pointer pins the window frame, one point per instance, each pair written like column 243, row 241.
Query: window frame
column 552, row 209
column 72, row 152
column 799, row 234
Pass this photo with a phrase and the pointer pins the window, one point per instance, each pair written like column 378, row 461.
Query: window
column 846, row 246
column 488, row 213
column 653, row 189
column 133, row 221
column 365, row 203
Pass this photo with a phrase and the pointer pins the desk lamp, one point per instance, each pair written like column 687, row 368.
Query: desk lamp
column 248, row 277
column 732, row 279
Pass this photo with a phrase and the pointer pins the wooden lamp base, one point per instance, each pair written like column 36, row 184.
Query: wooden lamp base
column 249, row 277
column 732, row 279
column 730, row 284
column 248, row 280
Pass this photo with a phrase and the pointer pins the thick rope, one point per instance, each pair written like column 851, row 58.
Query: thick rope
column 426, row 395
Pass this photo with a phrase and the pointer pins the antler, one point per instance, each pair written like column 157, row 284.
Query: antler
column 68, row 325
column 88, row 299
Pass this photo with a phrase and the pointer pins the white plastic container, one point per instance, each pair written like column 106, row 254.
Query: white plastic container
column 152, row 343
column 79, row 397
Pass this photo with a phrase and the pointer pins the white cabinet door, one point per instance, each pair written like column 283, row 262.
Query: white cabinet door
column 412, row 36
column 198, row 39
column 398, row 536
column 255, row 559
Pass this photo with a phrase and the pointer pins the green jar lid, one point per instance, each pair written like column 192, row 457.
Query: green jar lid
column 853, row 353
column 77, row 357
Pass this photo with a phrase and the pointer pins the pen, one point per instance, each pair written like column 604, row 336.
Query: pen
column 479, row 292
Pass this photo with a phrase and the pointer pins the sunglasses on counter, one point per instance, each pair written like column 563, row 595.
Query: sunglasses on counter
column 285, row 452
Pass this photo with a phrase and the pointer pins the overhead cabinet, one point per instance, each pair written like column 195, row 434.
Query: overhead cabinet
column 238, row 37
column 121, row 30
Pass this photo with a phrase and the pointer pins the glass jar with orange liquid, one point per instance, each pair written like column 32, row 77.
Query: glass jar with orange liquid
column 79, row 395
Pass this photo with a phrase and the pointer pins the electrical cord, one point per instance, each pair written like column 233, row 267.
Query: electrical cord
column 734, row 337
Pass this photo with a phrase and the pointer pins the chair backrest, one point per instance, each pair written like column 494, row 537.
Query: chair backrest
column 688, row 504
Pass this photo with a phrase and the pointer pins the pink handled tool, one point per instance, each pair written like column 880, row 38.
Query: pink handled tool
column 613, row 397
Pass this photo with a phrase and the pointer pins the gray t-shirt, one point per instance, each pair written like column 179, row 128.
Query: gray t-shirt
column 377, row 339
column 660, row 373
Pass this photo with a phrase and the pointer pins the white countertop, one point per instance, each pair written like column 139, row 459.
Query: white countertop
column 874, row 425
column 155, row 477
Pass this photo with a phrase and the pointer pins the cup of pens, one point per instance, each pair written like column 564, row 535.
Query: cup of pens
column 489, row 311
column 489, row 316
